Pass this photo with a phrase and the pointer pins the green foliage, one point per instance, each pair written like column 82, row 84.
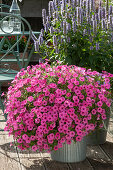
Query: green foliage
column 90, row 46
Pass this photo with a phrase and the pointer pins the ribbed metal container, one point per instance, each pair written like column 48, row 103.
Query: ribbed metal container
column 75, row 152
column 99, row 135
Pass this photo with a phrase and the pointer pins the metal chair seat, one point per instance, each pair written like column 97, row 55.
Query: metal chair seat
column 6, row 76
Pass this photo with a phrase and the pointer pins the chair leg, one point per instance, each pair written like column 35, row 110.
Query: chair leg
column 2, row 106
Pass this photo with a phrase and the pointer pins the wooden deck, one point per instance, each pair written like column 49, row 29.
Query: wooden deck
column 98, row 157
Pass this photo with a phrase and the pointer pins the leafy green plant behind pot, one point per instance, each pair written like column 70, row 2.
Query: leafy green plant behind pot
column 79, row 34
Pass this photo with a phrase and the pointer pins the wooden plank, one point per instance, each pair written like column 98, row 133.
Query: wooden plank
column 51, row 164
column 84, row 165
column 108, row 149
column 99, row 159
column 8, row 156
column 2, row 121
column 31, row 160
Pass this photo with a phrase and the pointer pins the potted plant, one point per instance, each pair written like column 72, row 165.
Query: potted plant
column 78, row 33
column 50, row 106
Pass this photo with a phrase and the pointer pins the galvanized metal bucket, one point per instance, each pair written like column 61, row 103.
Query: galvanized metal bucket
column 99, row 135
column 75, row 152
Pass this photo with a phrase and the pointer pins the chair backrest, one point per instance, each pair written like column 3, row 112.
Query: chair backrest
column 4, row 8
column 11, row 44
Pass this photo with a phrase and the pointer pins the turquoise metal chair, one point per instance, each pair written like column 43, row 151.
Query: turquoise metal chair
column 7, row 74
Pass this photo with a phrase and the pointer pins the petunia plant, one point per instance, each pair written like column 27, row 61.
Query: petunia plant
column 48, row 106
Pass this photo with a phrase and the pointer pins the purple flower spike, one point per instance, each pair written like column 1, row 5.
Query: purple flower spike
column 57, row 50
column 36, row 45
column 84, row 32
column 111, row 20
column 91, row 47
column 100, row 4
column 55, row 4
column 51, row 30
column 93, row 5
column 112, row 38
column 89, row 31
column 110, row 10
column 64, row 4
column 64, row 28
column 54, row 40
column 50, row 8
column 68, row 26
column 44, row 16
column 42, row 32
column 48, row 19
column 46, row 27
column 97, row 46
column 80, row 3
column 74, row 25
column 94, row 26
column 84, row 6
column 100, row 14
column 73, row 3
column 88, row 6
column 40, row 40
column 103, row 24
column 97, row 18
column 61, row 40
column 91, row 39
column 104, row 12
column 68, row 39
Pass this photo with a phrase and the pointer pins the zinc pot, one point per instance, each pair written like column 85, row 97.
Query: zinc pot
column 98, row 136
column 74, row 152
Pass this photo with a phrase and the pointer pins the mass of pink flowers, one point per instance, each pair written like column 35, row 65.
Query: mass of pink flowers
column 48, row 106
